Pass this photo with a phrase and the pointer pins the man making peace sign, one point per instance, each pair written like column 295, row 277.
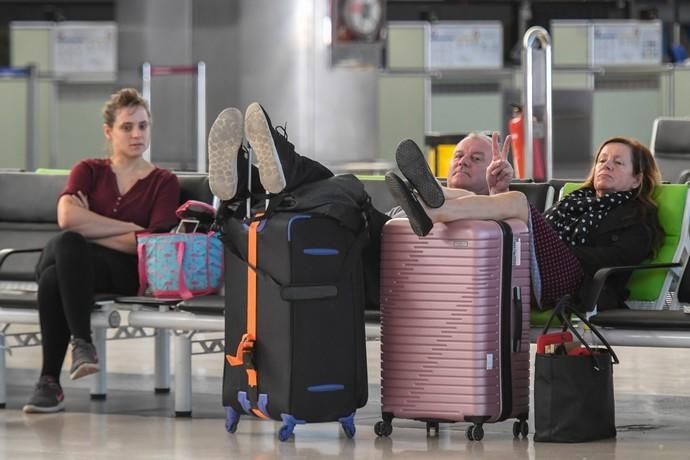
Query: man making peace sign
column 478, row 166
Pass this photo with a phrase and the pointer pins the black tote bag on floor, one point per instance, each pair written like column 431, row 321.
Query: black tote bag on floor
column 573, row 394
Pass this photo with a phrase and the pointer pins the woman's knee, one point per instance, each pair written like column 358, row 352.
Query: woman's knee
column 69, row 241
column 64, row 244
column 69, row 238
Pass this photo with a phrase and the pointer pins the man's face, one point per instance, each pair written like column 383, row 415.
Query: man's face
column 468, row 166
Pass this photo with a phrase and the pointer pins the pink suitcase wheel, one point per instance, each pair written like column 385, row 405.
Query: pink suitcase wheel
column 383, row 429
column 475, row 433
column 520, row 427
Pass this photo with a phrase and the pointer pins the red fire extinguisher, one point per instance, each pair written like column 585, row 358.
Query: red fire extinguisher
column 516, row 128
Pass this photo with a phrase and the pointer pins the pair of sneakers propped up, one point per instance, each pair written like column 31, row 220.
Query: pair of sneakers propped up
column 229, row 176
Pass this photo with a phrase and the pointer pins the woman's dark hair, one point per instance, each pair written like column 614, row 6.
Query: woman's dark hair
column 644, row 165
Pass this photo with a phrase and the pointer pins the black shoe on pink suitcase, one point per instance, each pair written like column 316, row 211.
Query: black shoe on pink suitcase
column 419, row 221
column 414, row 167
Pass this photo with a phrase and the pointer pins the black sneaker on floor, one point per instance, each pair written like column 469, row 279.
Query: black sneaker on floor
column 414, row 167
column 48, row 397
column 267, row 144
column 419, row 220
column 84, row 359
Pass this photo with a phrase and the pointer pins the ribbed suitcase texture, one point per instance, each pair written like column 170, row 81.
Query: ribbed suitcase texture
column 455, row 324
column 309, row 353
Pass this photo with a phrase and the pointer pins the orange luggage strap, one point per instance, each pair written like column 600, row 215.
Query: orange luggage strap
column 244, row 355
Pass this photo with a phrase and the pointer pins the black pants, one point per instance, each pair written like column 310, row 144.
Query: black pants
column 70, row 272
column 298, row 170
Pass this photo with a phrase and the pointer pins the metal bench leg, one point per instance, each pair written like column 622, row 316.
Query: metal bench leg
column 3, row 372
column 183, row 375
column 162, row 365
column 99, row 382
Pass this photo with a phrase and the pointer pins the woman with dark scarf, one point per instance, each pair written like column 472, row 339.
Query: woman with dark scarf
column 611, row 220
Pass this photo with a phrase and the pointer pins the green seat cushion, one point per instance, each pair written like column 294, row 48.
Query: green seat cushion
column 539, row 318
column 56, row 172
column 372, row 177
column 645, row 285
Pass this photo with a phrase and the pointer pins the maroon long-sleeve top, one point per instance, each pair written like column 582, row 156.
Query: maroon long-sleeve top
column 150, row 203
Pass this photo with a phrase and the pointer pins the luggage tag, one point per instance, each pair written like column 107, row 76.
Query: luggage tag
column 553, row 342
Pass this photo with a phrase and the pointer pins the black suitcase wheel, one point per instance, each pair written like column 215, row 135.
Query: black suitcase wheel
column 383, row 429
column 524, row 428
column 520, row 427
column 475, row 433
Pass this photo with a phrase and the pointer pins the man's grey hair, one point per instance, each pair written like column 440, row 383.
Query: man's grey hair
column 484, row 135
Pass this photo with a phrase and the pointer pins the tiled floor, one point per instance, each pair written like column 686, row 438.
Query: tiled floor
column 652, row 403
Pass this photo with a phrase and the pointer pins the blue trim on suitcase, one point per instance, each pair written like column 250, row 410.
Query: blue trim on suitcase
column 244, row 401
column 292, row 219
column 321, row 252
column 325, row 388
column 263, row 403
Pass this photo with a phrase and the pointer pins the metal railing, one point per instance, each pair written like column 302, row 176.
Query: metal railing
column 537, row 38
column 149, row 71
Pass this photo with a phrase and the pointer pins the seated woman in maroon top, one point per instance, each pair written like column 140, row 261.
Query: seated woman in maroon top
column 103, row 206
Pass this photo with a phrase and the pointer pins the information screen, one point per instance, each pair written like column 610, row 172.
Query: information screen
column 465, row 45
column 85, row 51
column 626, row 43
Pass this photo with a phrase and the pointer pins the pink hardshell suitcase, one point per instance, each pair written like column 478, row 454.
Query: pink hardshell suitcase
column 455, row 325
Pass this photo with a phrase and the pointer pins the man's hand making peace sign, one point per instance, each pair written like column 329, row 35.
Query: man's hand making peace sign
column 499, row 173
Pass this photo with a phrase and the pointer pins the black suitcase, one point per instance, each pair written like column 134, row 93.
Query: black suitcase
column 295, row 350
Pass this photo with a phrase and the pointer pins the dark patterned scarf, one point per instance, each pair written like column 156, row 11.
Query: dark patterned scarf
column 576, row 215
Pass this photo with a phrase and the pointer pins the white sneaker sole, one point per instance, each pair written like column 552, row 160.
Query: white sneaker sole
column 224, row 141
column 258, row 133
column 84, row 370
column 31, row 409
